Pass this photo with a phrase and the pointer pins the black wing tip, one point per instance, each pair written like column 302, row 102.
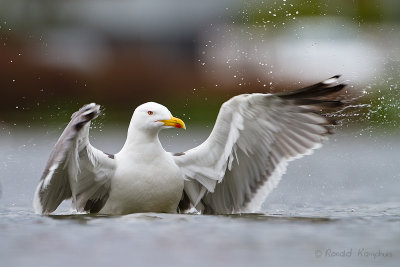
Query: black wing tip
column 184, row 204
column 318, row 102
column 85, row 114
column 321, row 89
column 93, row 206
column 333, row 78
column 90, row 110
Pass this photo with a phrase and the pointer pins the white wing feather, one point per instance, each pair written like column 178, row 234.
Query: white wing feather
column 75, row 169
column 253, row 139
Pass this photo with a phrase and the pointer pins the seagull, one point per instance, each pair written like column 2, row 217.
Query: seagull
column 232, row 171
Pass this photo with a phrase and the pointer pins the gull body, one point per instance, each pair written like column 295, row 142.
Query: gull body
column 146, row 179
column 233, row 171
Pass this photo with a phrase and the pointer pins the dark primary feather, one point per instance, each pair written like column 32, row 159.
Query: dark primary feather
column 318, row 102
column 95, row 205
column 316, row 90
column 184, row 204
column 311, row 96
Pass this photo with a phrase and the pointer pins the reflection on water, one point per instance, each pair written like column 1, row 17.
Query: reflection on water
column 251, row 217
column 342, row 198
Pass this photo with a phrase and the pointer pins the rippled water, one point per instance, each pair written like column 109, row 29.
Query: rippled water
column 340, row 206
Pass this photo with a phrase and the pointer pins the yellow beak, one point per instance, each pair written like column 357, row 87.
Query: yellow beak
column 174, row 122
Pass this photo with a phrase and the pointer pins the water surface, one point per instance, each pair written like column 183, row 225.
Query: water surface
column 340, row 206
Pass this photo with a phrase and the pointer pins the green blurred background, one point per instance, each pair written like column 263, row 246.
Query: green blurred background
column 192, row 56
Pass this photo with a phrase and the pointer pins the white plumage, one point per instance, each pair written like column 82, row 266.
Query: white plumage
column 233, row 171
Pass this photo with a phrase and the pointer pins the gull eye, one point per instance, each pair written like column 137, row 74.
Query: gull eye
column 150, row 112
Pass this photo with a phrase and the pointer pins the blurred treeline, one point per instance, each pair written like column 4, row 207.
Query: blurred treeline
column 192, row 55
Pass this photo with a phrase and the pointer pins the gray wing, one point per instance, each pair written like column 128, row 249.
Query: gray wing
column 254, row 138
column 75, row 169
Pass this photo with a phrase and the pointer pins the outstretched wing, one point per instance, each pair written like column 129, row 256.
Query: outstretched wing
column 75, row 169
column 253, row 139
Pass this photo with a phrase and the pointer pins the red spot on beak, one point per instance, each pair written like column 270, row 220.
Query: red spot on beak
column 178, row 125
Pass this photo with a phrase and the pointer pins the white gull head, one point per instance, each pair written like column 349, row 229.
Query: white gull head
column 148, row 120
column 153, row 117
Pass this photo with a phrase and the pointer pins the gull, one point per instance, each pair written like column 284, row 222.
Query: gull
column 232, row 171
